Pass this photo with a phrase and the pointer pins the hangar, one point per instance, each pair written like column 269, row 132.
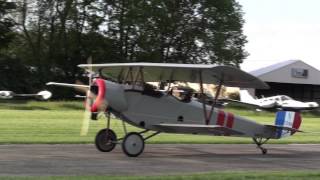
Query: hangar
column 294, row 78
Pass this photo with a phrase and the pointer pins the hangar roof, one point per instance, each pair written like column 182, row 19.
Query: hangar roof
column 264, row 70
column 291, row 71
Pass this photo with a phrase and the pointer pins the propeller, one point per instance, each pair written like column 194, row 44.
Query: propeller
column 87, row 104
column 91, row 94
column 94, row 97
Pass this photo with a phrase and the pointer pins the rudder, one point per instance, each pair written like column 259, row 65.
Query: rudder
column 287, row 119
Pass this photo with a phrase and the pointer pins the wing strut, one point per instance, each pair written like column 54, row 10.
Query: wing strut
column 207, row 115
column 203, row 99
column 170, row 80
column 139, row 76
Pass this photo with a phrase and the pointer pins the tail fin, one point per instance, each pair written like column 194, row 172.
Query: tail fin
column 287, row 119
column 246, row 97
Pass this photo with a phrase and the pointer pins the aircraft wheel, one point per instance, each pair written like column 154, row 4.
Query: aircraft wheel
column 133, row 144
column 106, row 140
column 264, row 151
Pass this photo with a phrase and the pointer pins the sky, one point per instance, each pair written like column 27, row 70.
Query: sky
column 280, row 30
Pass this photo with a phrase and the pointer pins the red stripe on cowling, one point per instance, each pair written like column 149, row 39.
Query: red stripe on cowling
column 220, row 119
column 230, row 120
column 296, row 121
column 100, row 97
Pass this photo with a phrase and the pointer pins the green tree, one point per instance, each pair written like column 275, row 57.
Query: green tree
column 54, row 36
column 185, row 31
column 6, row 23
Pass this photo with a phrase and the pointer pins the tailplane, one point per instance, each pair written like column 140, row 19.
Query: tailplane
column 287, row 123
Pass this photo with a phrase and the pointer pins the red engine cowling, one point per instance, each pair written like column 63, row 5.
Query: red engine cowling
column 107, row 93
column 100, row 98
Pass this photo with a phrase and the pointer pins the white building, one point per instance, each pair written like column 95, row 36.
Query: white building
column 294, row 78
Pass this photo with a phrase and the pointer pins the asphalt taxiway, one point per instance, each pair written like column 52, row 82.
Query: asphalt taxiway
column 157, row 159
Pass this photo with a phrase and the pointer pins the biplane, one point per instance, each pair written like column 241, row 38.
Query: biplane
column 42, row 95
column 122, row 90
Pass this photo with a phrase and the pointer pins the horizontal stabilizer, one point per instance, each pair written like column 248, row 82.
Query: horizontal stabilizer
column 197, row 129
column 286, row 128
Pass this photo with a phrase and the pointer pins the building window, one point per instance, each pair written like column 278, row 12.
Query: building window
column 299, row 73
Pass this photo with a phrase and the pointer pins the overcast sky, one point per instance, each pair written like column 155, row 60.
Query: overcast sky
column 279, row 30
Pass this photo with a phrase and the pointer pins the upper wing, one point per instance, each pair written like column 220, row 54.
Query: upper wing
column 197, row 128
column 154, row 72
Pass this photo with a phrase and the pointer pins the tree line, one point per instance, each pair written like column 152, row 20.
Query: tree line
column 45, row 40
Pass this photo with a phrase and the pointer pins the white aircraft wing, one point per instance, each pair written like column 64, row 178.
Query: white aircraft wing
column 197, row 129
column 42, row 95
column 239, row 103
column 155, row 72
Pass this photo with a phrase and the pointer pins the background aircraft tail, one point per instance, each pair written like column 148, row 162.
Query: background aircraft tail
column 246, row 97
column 287, row 123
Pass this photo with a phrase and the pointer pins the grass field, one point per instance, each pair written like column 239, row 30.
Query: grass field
column 287, row 175
column 60, row 122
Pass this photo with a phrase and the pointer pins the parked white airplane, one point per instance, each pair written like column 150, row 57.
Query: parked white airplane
column 280, row 101
column 42, row 95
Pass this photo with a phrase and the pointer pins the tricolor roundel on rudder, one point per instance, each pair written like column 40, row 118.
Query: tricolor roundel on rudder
column 287, row 119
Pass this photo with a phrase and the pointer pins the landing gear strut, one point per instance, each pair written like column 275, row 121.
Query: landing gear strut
column 106, row 139
column 259, row 142
column 132, row 143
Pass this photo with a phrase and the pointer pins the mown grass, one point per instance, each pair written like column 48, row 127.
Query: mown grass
column 286, row 175
column 60, row 122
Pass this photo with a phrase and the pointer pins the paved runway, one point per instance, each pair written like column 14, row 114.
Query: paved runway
column 157, row 159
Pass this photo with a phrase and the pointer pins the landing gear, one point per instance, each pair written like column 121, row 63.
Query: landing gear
column 133, row 144
column 259, row 142
column 106, row 140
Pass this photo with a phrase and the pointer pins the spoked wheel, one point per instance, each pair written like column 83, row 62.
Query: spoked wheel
column 106, row 140
column 133, row 144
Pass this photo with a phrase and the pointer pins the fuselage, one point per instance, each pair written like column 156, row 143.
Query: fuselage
column 146, row 111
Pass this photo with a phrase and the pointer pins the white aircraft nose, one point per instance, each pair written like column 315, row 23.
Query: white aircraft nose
column 313, row 104
column 6, row 94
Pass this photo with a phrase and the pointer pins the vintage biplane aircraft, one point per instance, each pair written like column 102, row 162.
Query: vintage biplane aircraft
column 42, row 95
column 121, row 89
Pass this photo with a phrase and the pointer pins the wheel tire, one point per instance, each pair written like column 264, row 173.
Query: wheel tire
column 133, row 144
column 105, row 140
column 264, row 151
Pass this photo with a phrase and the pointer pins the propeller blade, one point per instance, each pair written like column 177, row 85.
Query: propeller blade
column 81, row 87
column 89, row 61
column 87, row 114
